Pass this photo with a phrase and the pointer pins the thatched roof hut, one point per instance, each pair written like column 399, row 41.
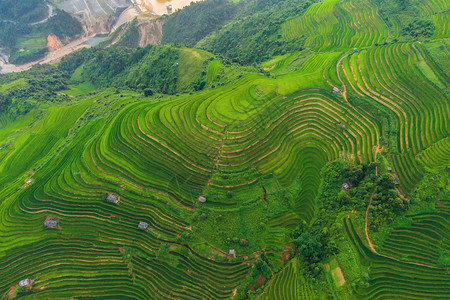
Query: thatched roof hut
column 112, row 198
column 50, row 223
column 143, row 225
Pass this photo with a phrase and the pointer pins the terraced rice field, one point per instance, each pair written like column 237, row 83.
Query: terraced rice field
column 333, row 24
column 394, row 278
column 386, row 75
column 241, row 146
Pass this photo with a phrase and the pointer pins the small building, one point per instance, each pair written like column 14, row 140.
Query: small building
column 232, row 252
column 50, row 223
column 355, row 49
column 336, row 90
column 389, row 169
column 30, row 181
column 342, row 126
column 169, row 9
column 395, row 180
column 24, row 282
column 346, row 186
column 113, row 198
column 202, row 199
column 143, row 225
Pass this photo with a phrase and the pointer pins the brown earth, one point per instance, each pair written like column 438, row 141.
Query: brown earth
column 53, row 42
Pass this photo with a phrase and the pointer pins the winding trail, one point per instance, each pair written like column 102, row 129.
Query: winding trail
column 371, row 244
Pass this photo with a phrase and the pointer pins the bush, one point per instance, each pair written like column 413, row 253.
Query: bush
column 309, row 246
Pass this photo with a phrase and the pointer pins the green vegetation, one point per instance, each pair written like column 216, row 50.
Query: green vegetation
column 22, row 34
column 190, row 25
column 23, row 11
column 300, row 151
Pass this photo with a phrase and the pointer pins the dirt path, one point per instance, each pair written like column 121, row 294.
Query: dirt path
column 344, row 90
column 367, row 221
column 50, row 14
column 371, row 244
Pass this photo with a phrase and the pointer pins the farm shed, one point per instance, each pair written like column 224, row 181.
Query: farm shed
column 202, row 199
column 143, row 225
column 50, row 223
column 112, row 198
column 346, row 186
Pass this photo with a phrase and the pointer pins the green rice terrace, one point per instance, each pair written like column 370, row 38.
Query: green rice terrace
column 309, row 163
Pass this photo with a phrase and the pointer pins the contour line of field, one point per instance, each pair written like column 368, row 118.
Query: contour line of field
column 372, row 248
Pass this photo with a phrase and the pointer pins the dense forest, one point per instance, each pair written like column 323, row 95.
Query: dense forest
column 190, row 25
column 23, row 11
column 152, row 67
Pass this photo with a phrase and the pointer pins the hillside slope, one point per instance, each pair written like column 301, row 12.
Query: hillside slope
column 311, row 166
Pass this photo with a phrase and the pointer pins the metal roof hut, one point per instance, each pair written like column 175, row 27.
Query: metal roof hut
column 143, row 225
column 346, row 186
column 113, row 198
column 30, row 181
column 202, row 199
column 395, row 180
column 169, row 9
column 336, row 90
column 50, row 223
column 389, row 169
column 24, row 282
column 232, row 252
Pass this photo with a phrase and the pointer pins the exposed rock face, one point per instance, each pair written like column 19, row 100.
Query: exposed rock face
column 97, row 16
column 150, row 31
column 53, row 42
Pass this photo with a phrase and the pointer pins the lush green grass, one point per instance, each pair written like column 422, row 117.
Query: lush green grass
column 15, row 83
column 213, row 70
column 80, row 89
column 28, row 43
column 191, row 66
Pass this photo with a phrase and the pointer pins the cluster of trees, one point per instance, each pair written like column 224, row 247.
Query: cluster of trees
column 20, row 59
column 252, row 40
column 193, row 23
column 419, row 28
column 23, row 11
column 150, row 69
column 41, row 85
column 386, row 202
column 9, row 32
column 63, row 25
column 247, row 32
